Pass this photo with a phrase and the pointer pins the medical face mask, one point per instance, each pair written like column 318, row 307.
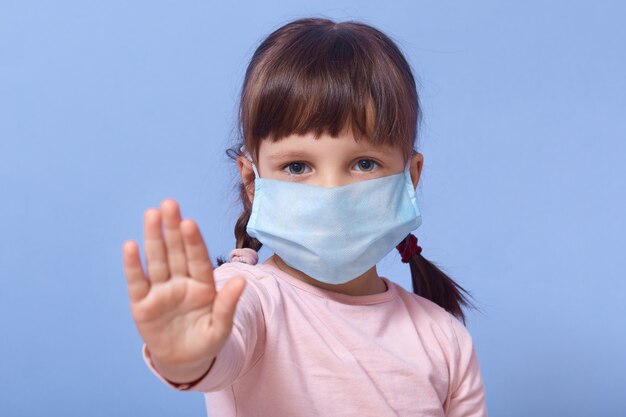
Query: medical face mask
column 333, row 234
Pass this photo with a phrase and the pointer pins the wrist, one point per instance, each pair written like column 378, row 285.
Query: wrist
column 187, row 385
column 188, row 373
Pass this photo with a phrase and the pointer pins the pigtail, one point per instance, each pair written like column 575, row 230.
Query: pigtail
column 433, row 284
column 242, row 238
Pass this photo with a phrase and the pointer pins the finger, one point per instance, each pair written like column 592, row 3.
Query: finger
column 138, row 285
column 156, row 252
column 177, row 260
column 226, row 303
column 198, row 262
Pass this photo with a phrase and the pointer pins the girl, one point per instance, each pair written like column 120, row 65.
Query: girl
column 328, row 118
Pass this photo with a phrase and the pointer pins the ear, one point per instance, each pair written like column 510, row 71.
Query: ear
column 247, row 175
column 416, row 164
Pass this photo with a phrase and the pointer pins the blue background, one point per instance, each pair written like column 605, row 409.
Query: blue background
column 108, row 107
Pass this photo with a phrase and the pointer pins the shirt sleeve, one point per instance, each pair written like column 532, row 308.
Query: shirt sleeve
column 244, row 345
column 467, row 391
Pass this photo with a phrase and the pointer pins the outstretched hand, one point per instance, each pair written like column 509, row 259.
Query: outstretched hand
column 179, row 314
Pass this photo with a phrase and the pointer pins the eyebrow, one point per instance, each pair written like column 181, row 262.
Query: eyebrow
column 288, row 154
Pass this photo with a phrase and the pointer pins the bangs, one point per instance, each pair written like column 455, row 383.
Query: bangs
column 330, row 79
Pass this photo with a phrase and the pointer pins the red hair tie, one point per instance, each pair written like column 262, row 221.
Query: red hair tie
column 408, row 247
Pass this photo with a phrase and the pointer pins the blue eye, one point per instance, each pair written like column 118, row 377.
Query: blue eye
column 366, row 164
column 298, row 168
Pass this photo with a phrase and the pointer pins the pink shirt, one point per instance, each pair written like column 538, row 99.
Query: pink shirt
column 299, row 350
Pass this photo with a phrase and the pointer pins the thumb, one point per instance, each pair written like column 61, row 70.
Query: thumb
column 225, row 304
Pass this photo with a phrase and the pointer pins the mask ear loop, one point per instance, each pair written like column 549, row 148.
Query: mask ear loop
column 249, row 158
column 407, row 170
column 408, row 164
column 407, row 177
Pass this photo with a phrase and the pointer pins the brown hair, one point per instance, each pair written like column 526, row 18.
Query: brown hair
column 316, row 75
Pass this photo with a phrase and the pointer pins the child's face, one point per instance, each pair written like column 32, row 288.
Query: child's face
column 326, row 161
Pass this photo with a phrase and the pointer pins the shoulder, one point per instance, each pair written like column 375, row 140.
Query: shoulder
column 427, row 309
column 444, row 332
column 261, row 287
column 256, row 278
column 448, row 329
column 231, row 269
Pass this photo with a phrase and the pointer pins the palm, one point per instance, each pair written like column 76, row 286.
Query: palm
column 177, row 310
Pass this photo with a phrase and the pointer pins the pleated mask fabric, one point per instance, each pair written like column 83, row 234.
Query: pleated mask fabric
column 333, row 234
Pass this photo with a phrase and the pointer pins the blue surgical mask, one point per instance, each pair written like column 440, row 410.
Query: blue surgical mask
column 333, row 234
